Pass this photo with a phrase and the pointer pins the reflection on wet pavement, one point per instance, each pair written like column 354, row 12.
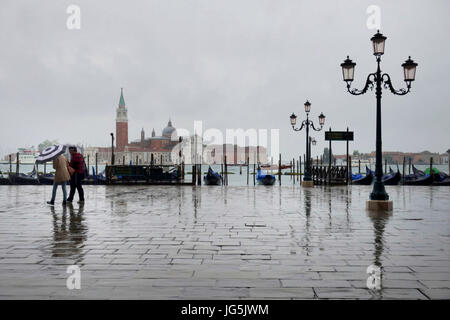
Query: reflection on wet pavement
column 225, row 242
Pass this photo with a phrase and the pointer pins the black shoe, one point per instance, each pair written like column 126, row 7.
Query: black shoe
column 81, row 201
column 52, row 203
column 64, row 203
column 69, row 200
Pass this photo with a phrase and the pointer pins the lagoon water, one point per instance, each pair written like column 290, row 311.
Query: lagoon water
column 213, row 242
column 234, row 178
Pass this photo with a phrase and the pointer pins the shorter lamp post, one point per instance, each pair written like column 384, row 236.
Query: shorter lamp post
column 112, row 148
column 307, row 180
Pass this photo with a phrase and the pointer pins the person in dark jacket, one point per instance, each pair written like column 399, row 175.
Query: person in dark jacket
column 77, row 164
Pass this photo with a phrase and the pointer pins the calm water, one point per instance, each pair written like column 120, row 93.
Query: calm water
column 234, row 179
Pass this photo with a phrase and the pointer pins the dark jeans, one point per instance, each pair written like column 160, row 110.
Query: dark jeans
column 75, row 183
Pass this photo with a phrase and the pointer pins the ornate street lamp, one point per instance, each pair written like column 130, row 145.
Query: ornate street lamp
column 307, row 180
column 409, row 70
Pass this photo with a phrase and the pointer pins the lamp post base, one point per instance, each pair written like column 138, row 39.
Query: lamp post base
column 308, row 184
column 379, row 205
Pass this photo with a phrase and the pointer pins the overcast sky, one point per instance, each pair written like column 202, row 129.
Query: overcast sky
column 230, row 63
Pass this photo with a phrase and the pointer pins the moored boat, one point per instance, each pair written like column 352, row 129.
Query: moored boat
column 46, row 179
column 393, row 178
column 443, row 182
column 264, row 178
column 363, row 180
column 4, row 180
column 23, row 179
column 424, row 180
column 212, row 178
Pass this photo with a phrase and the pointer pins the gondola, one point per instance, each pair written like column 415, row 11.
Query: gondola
column 4, row 180
column 212, row 178
column 46, row 179
column 23, row 179
column 265, row 179
column 419, row 178
column 424, row 180
column 363, row 180
column 443, row 182
column 441, row 179
column 417, row 172
column 393, row 178
column 94, row 179
column 413, row 176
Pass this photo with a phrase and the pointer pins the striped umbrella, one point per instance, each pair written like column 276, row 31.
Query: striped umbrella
column 50, row 153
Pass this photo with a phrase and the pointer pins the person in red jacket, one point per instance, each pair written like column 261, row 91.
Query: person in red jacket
column 77, row 164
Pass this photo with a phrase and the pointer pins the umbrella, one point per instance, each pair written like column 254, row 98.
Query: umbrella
column 50, row 153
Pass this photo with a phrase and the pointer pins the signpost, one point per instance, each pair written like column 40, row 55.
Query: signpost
column 340, row 136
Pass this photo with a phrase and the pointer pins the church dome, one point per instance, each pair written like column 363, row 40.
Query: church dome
column 169, row 130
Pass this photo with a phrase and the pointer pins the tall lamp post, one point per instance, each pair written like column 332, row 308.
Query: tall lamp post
column 112, row 148
column 379, row 199
column 307, row 180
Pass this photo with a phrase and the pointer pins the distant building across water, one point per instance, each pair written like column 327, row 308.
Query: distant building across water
column 165, row 148
column 396, row 157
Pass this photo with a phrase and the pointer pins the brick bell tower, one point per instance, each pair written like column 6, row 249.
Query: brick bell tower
column 121, row 123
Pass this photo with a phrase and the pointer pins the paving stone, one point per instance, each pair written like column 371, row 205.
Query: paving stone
column 315, row 283
column 439, row 294
column 227, row 248
column 337, row 293
column 285, row 293
column 410, row 294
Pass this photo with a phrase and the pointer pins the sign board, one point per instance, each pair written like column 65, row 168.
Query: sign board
column 339, row 135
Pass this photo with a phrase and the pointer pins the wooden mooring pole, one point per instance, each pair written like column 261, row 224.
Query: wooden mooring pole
column 182, row 170
column 96, row 163
column 300, row 167
column 199, row 174
column 248, row 168
column 431, row 167
column 290, row 162
column 329, row 161
column 349, row 170
column 17, row 163
column 279, row 169
column 403, row 170
column 254, row 173
column 226, row 170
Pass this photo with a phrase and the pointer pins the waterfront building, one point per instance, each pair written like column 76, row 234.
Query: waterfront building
column 165, row 148
column 139, row 151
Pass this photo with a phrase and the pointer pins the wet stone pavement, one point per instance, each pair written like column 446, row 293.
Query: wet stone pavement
column 224, row 243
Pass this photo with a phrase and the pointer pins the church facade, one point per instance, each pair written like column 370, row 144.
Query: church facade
column 156, row 148
column 165, row 148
